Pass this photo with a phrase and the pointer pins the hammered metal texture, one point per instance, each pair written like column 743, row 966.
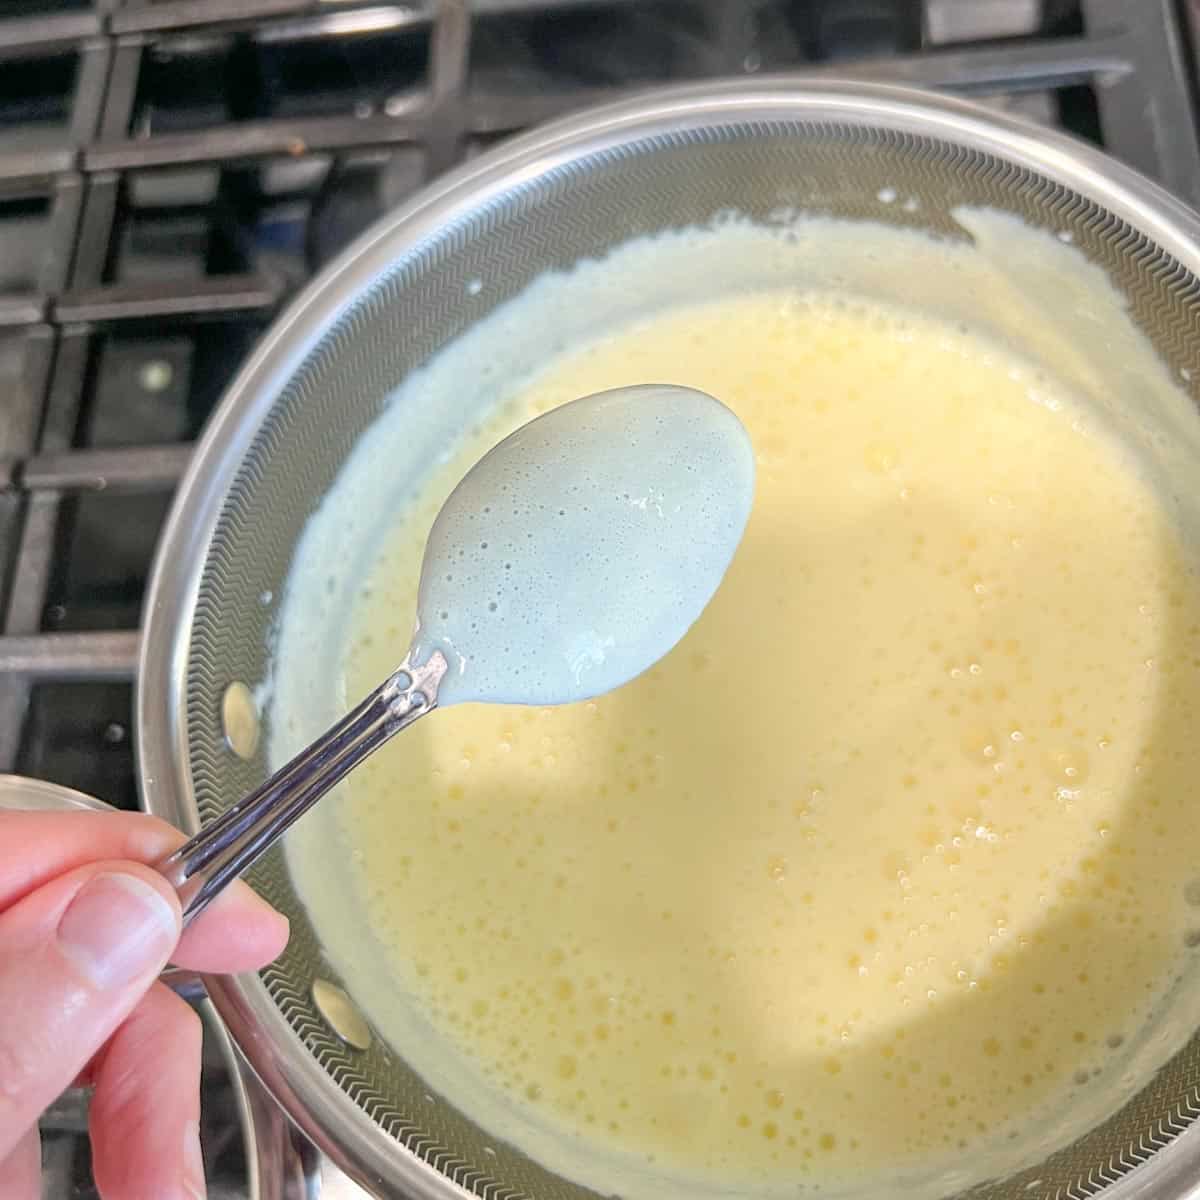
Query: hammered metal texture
column 581, row 210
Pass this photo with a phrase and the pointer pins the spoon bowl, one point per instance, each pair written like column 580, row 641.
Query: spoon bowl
column 579, row 550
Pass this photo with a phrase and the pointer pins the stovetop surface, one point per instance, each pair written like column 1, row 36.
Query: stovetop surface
column 172, row 170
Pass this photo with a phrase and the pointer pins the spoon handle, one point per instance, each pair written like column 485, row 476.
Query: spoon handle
column 226, row 847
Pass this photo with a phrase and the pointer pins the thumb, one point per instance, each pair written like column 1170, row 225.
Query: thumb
column 76, row 955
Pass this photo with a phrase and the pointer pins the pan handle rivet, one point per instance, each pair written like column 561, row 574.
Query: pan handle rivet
column 341, row 1014
column 239, row 719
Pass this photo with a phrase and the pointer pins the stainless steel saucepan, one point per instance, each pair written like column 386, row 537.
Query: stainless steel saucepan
column 572, row 191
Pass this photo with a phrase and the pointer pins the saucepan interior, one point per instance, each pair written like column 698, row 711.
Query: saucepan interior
column 770, row 154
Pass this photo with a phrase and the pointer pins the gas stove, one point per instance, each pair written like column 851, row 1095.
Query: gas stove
column 172, row 170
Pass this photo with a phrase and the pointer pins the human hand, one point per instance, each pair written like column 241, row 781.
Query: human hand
column 85, row 928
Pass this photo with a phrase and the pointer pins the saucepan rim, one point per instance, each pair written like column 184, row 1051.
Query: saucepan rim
column 313, row 1100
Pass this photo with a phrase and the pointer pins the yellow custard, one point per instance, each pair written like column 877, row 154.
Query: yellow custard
column 889, row 860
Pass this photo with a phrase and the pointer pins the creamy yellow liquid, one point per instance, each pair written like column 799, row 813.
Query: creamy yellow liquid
column 889, row 859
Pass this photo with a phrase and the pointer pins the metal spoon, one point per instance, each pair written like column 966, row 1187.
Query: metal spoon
column 658, row 478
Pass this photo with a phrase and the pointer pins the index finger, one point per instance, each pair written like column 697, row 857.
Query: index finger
column 36, row 847
column 238, row 932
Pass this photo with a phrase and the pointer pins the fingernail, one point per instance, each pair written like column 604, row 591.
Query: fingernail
column 193, row 1162
column 116, row 929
